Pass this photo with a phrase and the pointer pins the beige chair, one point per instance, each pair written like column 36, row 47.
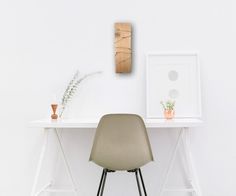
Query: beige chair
column 121, row 143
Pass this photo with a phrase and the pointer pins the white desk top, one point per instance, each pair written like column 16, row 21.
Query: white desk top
column 92, row 123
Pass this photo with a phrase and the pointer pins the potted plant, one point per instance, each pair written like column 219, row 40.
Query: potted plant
column 168, row 108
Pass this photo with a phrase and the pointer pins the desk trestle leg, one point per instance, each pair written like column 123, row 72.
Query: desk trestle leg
column 39, row 167
column 47, row 187
column 189, row 166
column 65, row 161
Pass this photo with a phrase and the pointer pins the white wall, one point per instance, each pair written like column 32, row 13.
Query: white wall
column 43, row 42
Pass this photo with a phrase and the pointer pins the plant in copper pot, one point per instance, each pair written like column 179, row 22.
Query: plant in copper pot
column 168, row 108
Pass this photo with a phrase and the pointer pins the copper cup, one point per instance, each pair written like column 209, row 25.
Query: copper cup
column 169, row 114
column 54, row 109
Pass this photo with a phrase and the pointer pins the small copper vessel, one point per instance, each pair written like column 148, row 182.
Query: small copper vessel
column 169, row 114
column 54, row 109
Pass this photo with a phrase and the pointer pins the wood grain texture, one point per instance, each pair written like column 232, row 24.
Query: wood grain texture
column 123, row 53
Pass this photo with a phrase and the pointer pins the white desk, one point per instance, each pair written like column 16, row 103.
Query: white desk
column 182, row 125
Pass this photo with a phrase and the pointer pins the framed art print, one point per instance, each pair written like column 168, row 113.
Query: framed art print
column 176, row 77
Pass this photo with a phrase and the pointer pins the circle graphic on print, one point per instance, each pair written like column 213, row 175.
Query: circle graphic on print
column 173, row 75
column 173, row 93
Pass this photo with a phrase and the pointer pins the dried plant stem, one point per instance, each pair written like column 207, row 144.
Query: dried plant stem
column 71, row 89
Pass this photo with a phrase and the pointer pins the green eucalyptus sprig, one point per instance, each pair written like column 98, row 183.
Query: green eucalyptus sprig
column 168, row 105
column 71, row 89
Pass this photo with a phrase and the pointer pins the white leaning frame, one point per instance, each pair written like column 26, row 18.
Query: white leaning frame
column 170, row 76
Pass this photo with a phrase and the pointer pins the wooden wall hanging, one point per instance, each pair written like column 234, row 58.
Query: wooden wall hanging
column 123, row 53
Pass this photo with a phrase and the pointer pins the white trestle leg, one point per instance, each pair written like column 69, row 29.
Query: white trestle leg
column 39, row 167
column 189, row 166
column 192, row 177
column 48, row 186
column 65, row 161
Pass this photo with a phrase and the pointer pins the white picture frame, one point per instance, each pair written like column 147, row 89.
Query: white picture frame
column 173, row 76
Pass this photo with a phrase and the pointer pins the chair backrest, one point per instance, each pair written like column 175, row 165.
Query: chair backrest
column 121, row 142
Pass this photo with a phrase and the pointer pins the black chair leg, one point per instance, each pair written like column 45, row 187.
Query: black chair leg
column 139, row 189
column 104, row 181
column 138, row 174
column 144, row 189
column 101, row 182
